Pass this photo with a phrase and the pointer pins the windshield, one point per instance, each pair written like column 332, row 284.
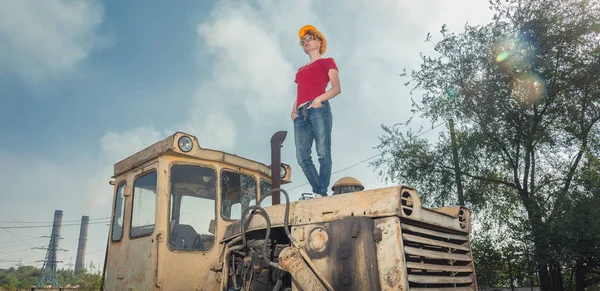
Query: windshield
column 192, row 207
column 238, row 191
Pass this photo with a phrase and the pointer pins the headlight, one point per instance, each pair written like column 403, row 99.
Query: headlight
column 283, row 172
column 185, row 143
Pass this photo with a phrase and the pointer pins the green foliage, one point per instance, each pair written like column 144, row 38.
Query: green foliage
column 24, row 277
column 524, row 95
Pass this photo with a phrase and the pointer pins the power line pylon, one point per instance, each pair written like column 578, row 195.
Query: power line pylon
column 48, row 274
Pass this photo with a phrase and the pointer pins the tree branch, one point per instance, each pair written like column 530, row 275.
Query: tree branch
column 532, row 183
column 486, row 179
column 516, row 165
column 527, row 165
column 582, row 149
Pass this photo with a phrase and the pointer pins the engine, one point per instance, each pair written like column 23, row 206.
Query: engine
column 250, row 272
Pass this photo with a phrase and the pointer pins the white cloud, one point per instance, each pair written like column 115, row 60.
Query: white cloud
column 249, row 65
column 215, row 131
column 256, row 54
column 116, row 146
column 42, row 40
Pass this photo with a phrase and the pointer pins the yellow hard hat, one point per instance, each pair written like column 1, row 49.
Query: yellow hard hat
column 306, row 28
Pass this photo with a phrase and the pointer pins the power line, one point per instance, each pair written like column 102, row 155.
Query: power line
column 16, row 220
column 4, row 243
column 68, row 221
column 12, row 234
column 365, row 160
column 42, row 226
column 16, row 237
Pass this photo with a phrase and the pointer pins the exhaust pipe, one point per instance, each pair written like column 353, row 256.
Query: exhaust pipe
column 276, row 145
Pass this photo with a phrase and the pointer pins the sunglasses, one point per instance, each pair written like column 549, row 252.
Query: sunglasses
column 307, row 38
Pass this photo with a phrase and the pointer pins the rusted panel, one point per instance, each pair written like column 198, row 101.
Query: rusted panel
column 343, row 252
column 432, row 242
column 434, row 254
column 413, row 209
column 304, row 278
column 432, row 267
column 390, row 255
column 438, row 279
column 147, row 263
column 369, row 203
column 451, row 211
column 443, row 289
column 473, row 275
column 434, row 233
column 437, row 218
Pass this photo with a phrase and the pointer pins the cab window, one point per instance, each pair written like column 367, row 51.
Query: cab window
column 143, row 212
column 265, row 189
column 118, row 212
column 238, row 191
column 192, row 208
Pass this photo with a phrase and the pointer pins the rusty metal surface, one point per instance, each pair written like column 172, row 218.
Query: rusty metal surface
column 342, row 252
column 147, row 263
column 373, row 203
column 131, row 263
column 435, row 258
column 291, row 261
column 390, row 254
column 451, row 211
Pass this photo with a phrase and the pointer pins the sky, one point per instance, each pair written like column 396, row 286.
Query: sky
column 84, row 84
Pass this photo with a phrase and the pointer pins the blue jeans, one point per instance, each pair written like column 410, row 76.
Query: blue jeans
column 314, row 124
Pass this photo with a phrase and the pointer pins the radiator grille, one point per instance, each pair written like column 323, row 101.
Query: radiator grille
column 435, row 259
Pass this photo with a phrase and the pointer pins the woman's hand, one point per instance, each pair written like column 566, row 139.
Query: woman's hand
column 315, row 104
column 294, row 115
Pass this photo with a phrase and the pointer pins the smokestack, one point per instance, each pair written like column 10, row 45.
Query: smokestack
column 80, row 261
column 58, row 214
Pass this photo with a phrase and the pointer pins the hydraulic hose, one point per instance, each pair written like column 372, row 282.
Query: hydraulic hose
column 245, row 224
column 287, row 210
column 266, row 216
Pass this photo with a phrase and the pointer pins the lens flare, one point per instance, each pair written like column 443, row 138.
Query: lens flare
column 527, row 89
column 513, row 54
column 501, row 57
column 451, row 92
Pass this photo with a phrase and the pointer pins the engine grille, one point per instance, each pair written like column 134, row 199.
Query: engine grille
column 436, row 259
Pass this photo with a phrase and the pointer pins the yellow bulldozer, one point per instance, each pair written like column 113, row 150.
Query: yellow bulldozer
column 190, row 218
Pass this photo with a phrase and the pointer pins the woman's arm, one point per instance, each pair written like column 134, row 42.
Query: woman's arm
column 332, row 92
column 293, row 115
column 335, row 89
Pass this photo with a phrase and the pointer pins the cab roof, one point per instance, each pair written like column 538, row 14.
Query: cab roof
column 170, row 145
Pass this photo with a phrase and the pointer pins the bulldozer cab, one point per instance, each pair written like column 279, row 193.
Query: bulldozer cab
column 171, row 204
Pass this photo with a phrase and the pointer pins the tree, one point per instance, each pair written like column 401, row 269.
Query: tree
column 523, row 94
column 9, row 281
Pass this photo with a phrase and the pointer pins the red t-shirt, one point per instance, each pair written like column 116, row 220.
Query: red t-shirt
column 312, row 79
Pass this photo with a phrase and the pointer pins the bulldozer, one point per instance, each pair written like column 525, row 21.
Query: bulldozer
column 186, row 217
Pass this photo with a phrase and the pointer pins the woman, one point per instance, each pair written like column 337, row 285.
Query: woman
column 311, row 112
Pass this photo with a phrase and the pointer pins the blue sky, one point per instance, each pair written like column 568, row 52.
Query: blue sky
column 85, row 84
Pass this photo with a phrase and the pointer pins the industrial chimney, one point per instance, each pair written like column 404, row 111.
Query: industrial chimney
column 80, row 261
column 57, row 224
